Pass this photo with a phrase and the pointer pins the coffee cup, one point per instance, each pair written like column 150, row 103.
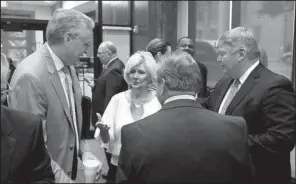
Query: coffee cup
column 91, row 168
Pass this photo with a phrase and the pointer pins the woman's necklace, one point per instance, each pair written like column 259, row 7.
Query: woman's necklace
column 137, row 110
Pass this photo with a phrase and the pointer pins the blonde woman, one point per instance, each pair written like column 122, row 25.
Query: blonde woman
column 129, row 106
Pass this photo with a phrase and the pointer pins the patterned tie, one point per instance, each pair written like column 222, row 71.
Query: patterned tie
column 232, row 92
column 70, row 96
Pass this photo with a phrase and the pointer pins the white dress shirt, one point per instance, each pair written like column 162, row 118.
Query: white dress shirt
column 59, row 66
column 179, row 97
column 242, row 79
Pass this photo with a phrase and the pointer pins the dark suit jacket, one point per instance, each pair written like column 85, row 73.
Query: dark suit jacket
column 184, row 142
column 267, row 101
column 109, row 83
column 24, row 158
column 204, row 73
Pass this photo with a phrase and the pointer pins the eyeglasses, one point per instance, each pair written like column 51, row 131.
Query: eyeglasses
column 100, row 53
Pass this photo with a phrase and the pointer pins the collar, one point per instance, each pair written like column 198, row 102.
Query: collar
column 244, row 77
column 179, row 97
column 57, row 61
column 106, row 66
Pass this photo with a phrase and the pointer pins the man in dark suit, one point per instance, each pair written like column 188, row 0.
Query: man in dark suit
column 109, row 83
column 183, row 142
column 24, row 158
column 266, row 100
column 186, row 44
column 111, row 80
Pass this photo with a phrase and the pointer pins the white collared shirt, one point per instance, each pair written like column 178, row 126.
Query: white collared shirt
column 179, row 97
column 59, row 66
column 242, row 79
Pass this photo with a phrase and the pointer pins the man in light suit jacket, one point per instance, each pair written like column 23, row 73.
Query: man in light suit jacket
column 183, row 142
column 24, row 158
column 266, row 100
column 45, row 83
column 111, row 80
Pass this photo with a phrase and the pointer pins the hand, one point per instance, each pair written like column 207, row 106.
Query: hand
column 98, row 176
column 101, row 125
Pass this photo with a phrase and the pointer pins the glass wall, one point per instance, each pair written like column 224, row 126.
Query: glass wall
column 153, row 19
column 272, row 22
column 207, row 20
column 116, row 13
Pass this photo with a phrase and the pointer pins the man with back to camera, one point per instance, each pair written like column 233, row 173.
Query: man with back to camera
column 24, row 157
column 183, row 142
column 186, row 44
column 266, row 100
column 45, row 83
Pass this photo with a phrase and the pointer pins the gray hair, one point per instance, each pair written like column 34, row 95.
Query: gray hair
column 180, row 72
column 4, row 68
column 109, row 45
column 141, row 57
column 238, row 37
column 66, row 20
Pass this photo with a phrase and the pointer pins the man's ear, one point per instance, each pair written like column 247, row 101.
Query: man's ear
column 242, row 54
column 68, row 38
column 163, row 86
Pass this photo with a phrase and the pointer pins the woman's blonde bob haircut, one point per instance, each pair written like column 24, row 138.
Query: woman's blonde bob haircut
column 141, row 57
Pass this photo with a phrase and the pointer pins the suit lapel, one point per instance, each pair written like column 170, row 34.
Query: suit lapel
column 244, row 90
column 56, row 82
column 221, row 93
column 7, row 147
column 111, row 66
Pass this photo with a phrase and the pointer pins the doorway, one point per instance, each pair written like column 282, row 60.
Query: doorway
column 21, row 38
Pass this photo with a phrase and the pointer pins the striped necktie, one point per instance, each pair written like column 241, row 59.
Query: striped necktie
column 71, row 102
column 232, row 92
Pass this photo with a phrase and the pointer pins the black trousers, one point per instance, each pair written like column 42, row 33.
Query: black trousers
column 111, row 177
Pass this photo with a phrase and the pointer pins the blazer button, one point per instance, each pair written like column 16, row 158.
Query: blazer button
column 69, row 172
column 71, row 147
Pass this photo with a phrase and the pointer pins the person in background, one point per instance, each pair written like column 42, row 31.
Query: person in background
column 129, row 106
column 111, row 80
column 183, row 142
column 45, row 83
column 267, row 101
column 24, row 157
column 157, row 47
column 11, row 71
column 186, row 44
